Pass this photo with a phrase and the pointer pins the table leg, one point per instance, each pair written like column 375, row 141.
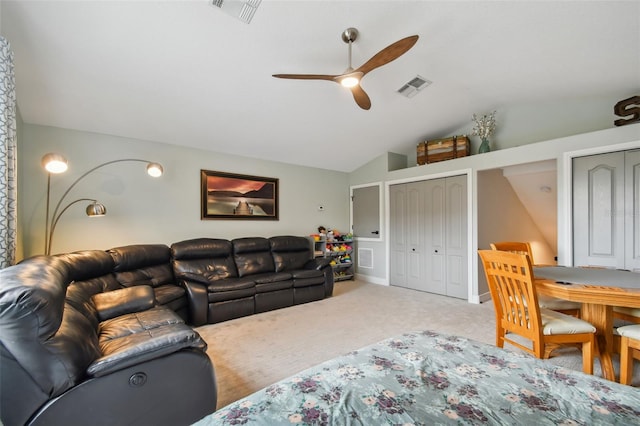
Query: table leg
column 601, row 316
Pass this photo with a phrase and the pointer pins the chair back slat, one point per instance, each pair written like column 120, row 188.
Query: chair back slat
column 514, row 247
column 510, row 279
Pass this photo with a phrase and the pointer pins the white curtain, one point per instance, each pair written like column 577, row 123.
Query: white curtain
column 8, row 157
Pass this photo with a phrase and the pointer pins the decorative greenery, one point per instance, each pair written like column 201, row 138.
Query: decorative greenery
column 485, row 125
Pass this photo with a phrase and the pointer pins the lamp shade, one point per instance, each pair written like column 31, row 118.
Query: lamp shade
column 55, row 163
column 155, row 169
column 96, row 209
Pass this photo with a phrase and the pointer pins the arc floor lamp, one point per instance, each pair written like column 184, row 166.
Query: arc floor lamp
column 55, row 164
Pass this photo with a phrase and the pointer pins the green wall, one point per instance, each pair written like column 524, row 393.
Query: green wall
column 141, row 209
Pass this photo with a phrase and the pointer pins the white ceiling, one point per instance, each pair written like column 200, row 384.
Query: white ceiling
column 186, row 73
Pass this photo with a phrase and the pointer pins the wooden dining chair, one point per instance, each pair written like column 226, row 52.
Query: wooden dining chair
column 627, row 314
column 564, row 306
column 629, row 348
column 510, row 279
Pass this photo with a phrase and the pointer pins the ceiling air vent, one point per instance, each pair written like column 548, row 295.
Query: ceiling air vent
column 414, row 86
column 241, row 9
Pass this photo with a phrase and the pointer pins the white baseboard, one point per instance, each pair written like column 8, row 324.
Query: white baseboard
column 373, row 280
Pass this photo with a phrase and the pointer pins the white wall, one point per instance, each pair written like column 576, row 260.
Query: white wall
column 534, row 122
column 503, row 218
column 141, row 209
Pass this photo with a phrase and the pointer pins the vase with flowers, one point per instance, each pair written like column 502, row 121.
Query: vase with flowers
column 484, row 127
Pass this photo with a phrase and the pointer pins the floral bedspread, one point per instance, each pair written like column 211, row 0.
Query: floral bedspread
column 425, row 378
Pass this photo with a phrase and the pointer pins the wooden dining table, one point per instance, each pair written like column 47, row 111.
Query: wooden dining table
column 598, row 291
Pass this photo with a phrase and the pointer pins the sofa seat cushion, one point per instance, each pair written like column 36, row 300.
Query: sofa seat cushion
column 144, row 345
column 308, row 282
column 273, row 286
column 168, row 293
column 136, row 322
column 230, row 284
column 307, row 278
column 224, row 296
column 271, row 277
column 302, row 274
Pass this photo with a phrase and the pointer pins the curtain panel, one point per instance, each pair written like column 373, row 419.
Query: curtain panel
column 8, row 157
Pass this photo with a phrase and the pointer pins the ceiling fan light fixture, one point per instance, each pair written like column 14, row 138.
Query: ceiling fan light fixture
column 349, row 81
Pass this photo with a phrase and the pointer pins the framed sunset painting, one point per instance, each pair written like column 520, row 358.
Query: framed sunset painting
column 233, row 196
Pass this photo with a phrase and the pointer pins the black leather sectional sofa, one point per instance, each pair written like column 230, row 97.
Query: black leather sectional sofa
column 106, row 337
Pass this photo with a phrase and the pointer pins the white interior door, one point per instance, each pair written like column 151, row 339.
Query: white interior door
column 598, row 210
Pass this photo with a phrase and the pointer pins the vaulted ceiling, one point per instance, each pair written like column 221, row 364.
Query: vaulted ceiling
column 187, row 73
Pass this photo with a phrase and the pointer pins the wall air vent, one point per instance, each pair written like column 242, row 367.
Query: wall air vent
column 241, row 9
column 414, row 86
column 365, row 258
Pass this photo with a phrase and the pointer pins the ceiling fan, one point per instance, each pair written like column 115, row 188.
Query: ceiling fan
column 351, row 78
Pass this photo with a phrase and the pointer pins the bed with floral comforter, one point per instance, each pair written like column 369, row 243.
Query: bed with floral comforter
column 425, row 378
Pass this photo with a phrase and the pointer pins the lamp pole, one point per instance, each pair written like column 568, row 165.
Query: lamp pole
column 154, row 169
column 56, row 219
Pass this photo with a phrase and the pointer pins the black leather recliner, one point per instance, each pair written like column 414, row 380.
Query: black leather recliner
column 77, row 349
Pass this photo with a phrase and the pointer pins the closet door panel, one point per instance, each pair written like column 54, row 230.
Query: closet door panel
column 598, row 203
column 632, row 210
column 456, row 236
column 415, row 228
column 397, row 235
column 435, row 234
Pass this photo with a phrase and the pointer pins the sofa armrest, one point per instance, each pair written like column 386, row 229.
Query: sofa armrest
column 176, row 389
column 139, row 347
column 198, row 301
column 318, row 263
column 128, row 300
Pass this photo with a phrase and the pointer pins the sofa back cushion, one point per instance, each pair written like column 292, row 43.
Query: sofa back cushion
column 290, row 252
column 208, row 258
column 252, row 256
column 90, row 273
column 142, row 264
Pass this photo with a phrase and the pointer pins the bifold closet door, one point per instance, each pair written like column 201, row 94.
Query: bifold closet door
column 428, row 229
column 606, row 207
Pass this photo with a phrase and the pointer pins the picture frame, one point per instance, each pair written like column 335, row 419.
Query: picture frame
column 236, row 196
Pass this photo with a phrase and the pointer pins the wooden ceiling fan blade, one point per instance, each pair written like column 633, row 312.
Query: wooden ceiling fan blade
column 307, row 76
column 388, row 54
column 361, row 97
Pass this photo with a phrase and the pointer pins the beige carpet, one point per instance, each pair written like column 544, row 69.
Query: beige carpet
column 253, row 352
